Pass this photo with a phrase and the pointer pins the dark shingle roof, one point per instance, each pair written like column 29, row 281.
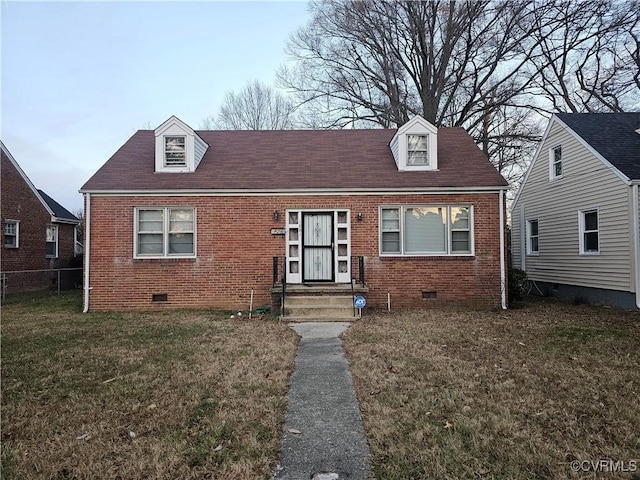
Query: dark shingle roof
column 297, row 159
column 612, row 135
column 58, row 210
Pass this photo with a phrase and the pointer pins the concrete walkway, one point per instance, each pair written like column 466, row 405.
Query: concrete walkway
column 323, row 408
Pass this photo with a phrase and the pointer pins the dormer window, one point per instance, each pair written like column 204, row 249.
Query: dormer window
column 417, row 150
column 175, row 151
column 415, row 146
column 179, row 149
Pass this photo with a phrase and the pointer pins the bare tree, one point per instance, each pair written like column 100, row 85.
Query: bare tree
column 485, row 65
column 255, row 107
column 383, row 62
column 588, row 56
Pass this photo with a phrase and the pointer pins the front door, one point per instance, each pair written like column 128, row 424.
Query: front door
column 317, row 247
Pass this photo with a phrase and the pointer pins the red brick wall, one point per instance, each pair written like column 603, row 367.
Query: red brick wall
column 20, row 203
column 235, row 249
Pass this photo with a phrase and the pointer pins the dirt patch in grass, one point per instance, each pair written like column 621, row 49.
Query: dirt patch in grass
column 188, row 394
column 516, row 394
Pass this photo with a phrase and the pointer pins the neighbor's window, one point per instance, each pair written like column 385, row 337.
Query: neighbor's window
column 417, row 152
column 52, row 241
column 175, row 151
column 426, row 230
column 589, row 232
column 555, row 162
column 11, row 233
column 165, row 232
column 532, row 237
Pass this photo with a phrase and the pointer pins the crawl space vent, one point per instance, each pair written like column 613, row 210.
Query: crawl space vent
column 426, row 295
column 159, row 297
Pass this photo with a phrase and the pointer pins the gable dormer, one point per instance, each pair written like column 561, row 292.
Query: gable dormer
column 178, row 148
column 415, row 146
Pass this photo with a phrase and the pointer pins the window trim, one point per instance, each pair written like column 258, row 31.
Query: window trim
column 530, row 250
column 448, row 252
column 427, row 163
column 165, row 232
column 582, row 231
column 17, row 234
column 553, row 162
column 184, row 153
column 56, row 241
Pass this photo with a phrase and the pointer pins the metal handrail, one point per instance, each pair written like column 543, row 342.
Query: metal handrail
column 284, row 283
column 360, row 271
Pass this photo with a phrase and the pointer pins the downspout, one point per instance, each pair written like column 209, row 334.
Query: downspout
column 87, row 245
column 636, row 241
column 503, row 289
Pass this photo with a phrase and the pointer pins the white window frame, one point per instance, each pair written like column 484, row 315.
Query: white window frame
column 530, row 236
column 448, row 248
column 165, row 232
column 16, row 235
column 553, row 162
column 425, row 150
column 165, row 139
column 584, row 231
column 56, row 230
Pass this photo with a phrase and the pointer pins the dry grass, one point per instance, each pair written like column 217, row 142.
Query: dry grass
column 498, row 395
column 74, row 386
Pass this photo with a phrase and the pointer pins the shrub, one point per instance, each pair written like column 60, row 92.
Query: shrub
column 518, row 285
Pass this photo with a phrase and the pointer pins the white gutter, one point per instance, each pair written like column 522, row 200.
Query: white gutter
column 87, row 244
column 636, row 240
column 503, row 287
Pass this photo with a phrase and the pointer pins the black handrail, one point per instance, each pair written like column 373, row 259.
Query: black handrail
column 276, row 261
column 357, row 270
column 284, row 283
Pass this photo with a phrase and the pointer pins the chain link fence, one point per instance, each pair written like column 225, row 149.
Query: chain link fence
column 56, row 279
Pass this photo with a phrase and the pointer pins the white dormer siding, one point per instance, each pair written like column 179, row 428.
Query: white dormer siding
column 415, row 146
column 179, row 149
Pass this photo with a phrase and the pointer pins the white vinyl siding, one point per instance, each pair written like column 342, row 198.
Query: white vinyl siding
column 423, row 230
column 586, row 182
column 164, row 232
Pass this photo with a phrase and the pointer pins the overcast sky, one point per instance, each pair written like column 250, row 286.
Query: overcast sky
column 79, row 78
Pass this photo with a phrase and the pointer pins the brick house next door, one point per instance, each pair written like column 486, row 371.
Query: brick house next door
column 318, row 246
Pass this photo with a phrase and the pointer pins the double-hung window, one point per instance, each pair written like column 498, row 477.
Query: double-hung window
column 426, row 230
column 555, row 162
column 52, row 241
column 417, row 150
column 175, row 151
column 165, row 232
column 11, row 233
column 589, row 232
column 532, row 237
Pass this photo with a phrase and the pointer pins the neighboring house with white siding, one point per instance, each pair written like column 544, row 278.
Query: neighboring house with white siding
column 575, row 221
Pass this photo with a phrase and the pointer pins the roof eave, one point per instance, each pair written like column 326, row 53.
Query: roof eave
column 298, row 191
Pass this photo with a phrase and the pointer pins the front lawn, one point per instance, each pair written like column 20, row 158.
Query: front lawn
column 187, row 394
column 518, row 394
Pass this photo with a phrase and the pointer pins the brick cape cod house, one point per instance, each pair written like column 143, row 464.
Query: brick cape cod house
column 184, row 218
column 38, row 233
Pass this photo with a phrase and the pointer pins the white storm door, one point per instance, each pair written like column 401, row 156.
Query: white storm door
column 317, row 247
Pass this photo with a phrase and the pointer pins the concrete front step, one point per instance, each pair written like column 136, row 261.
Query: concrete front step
column 290, row 319
column 319, row 300
column 325, row 306
column 318, row 311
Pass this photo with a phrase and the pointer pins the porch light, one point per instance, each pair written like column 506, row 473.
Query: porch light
column 276, row 215
column 359, row 216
